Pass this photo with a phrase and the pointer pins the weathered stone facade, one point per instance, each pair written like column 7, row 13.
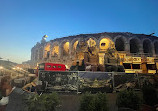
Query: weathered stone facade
column 64, row 50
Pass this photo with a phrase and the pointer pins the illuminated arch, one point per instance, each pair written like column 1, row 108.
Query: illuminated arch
column 91, row 42
column 105, row 43
column 55, row 50
column 75, row 45
column 47, row 47
column 47, row 51
column 66, row 48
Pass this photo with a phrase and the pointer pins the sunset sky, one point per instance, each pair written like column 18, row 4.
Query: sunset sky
column 24, row 22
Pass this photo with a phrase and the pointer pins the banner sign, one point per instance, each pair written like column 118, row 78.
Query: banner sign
column 150, row 60
column 77, row 81
column 129, row 59
column 60, row 81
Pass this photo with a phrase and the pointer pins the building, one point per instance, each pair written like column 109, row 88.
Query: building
column 136, row 52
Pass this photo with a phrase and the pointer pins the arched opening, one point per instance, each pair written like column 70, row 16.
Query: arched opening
column 66, row 49
column 156, row 47
column 47, row 51
column 91, row 42
column 134, row 46
column 75, row 45
column 119, row 44
column 147, row 48
column 55, row 51
column 105, row 43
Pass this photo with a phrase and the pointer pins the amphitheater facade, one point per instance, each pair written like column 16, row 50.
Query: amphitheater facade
column 131, row 48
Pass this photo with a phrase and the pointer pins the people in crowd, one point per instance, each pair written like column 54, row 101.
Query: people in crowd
column 12, row 97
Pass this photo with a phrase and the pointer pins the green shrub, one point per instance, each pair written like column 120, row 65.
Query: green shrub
column 93, row 102
column 128, row 99
column 101, row 102
column 45, row 102
column 150, row 95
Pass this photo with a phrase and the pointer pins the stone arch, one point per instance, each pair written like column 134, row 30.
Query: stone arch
column 147, row 46
column 105, row 43
column 55, row 49
column 156, row 47
column 120, row 43
column 73, row 45
column 65, row 47
column 91, row 41
column 47, row 50
column 134, row 45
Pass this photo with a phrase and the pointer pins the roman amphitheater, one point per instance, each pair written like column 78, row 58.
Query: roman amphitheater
column 135, row 52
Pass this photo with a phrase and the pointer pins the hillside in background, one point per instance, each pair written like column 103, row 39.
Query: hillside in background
column 7, row 64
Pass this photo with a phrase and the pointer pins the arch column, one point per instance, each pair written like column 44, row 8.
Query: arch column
column 141, row 51
column 127, row 47
column 50, row 52
column 70, row 49
column 155, row 44
column 60, row 51
column 153, row 50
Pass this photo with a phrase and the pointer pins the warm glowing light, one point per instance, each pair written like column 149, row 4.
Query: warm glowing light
column 66, row 47
column 91, row 42
column 47, row 47
column 1, row 67
column 75, row 45
column 67, row 67
column 105, row 43
column 55, row 50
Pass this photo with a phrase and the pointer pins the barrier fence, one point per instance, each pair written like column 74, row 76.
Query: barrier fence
column 82, row 81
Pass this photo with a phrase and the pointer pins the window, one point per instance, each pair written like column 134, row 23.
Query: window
column 127, row 65
column 151, row 66
column 48, row 66
column 136, row 66
column 41, row 67
column 54, row 66
column 59, row 66
column 103, row 44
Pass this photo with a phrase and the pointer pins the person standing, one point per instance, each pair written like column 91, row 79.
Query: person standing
column 16, row 96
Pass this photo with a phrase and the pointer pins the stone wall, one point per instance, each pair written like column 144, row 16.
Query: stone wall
column 63, row 50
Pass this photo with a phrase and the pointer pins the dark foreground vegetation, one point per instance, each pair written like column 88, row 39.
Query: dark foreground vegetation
column 126, row 100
